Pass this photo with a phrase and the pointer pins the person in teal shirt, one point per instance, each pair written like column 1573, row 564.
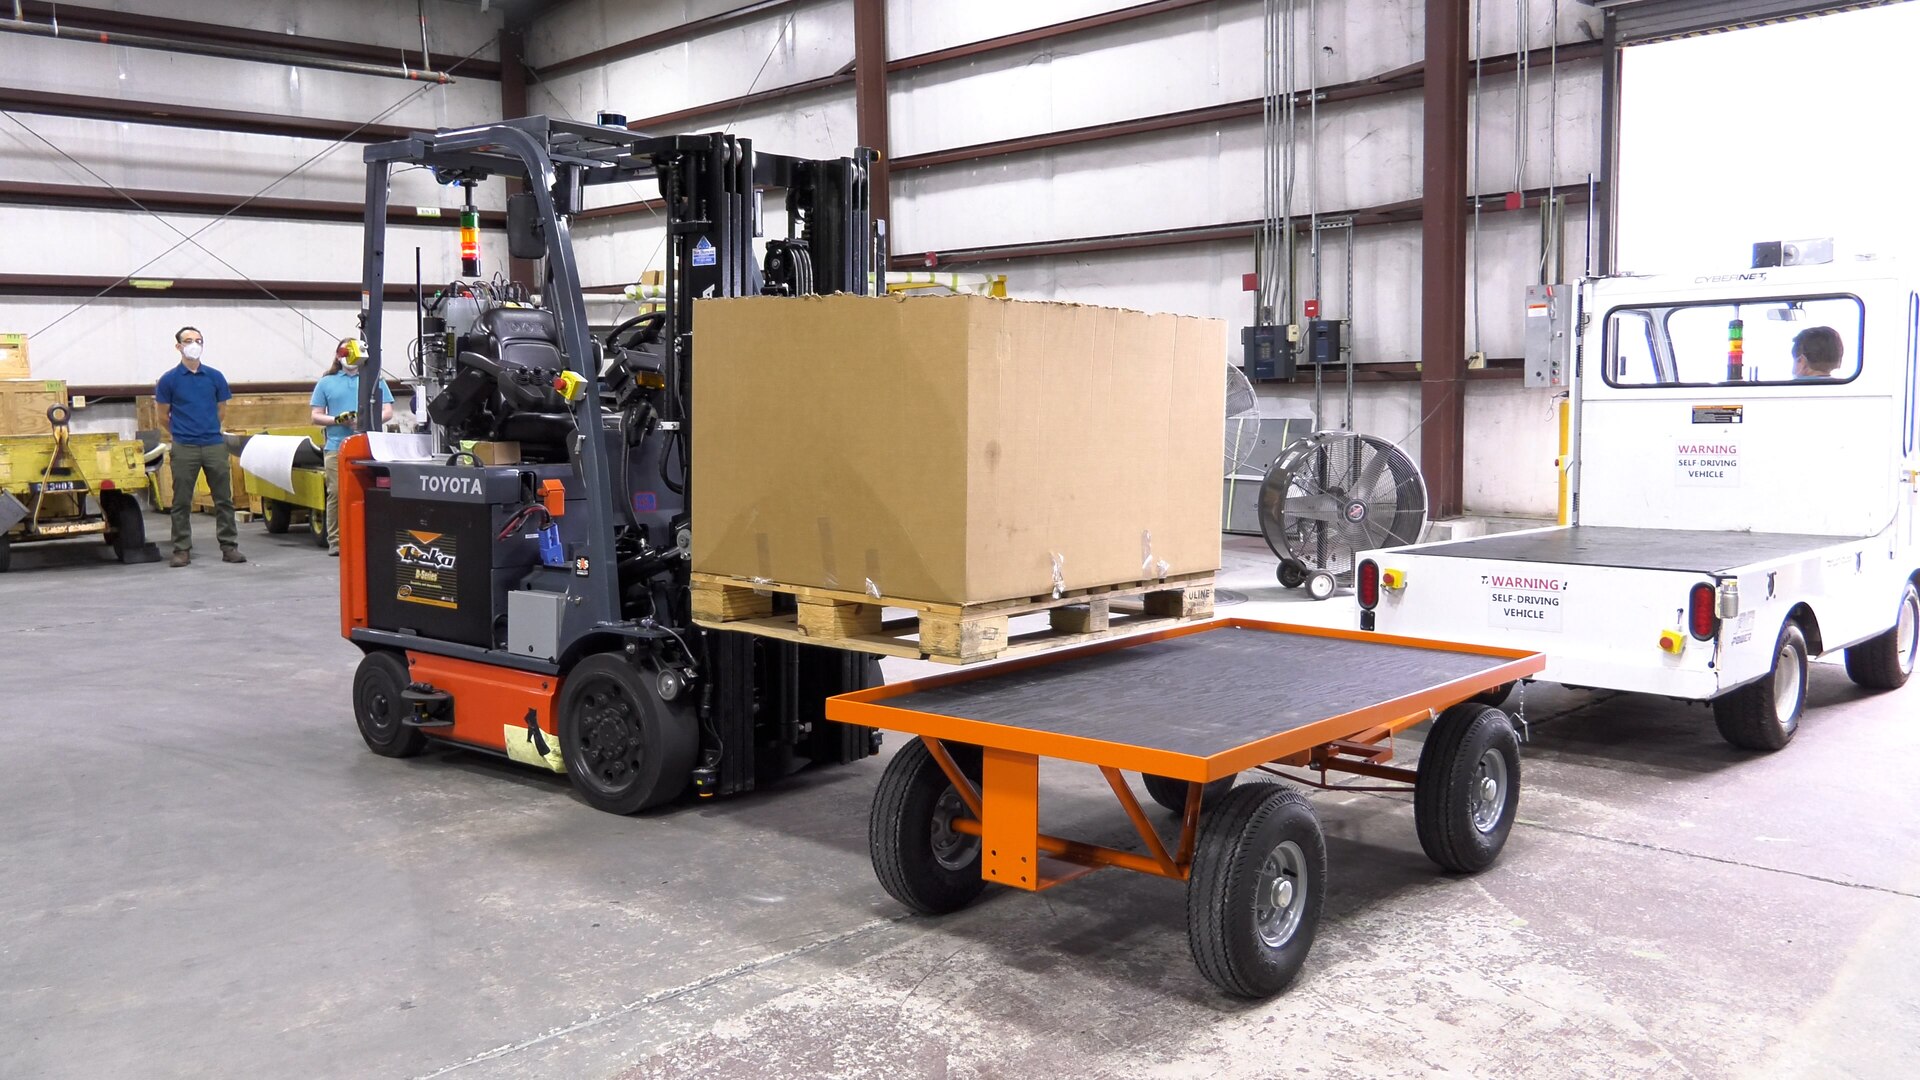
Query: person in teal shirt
column 336, row 405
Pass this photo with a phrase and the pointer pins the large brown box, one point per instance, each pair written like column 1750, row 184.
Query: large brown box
column 24, row 404
column 958, row 449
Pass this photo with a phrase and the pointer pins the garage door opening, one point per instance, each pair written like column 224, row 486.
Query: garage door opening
column 1781, row 132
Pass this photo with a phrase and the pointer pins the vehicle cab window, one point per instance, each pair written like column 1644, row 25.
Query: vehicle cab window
column 1811, row 341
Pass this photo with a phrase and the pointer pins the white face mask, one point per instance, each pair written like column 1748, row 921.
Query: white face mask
column 191, row 350
column 350, row 367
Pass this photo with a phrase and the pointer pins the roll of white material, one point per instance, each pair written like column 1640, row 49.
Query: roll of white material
column 270, row 457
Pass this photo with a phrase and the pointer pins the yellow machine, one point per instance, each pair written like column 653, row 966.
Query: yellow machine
column 305, row 501
column 60, row 486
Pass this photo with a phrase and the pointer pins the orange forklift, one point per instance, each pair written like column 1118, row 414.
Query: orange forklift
column 536, row 604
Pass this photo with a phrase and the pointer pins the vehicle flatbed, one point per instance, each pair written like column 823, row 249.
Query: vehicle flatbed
column 1685, row 550
column 1190, row 708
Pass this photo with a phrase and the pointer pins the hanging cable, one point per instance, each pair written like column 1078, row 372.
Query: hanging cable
column 1522, row 13
column 1479, row 106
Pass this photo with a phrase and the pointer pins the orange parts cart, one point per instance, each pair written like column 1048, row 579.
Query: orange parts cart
column 1190, row 709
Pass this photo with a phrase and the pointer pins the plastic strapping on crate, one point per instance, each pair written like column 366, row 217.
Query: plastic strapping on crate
column 1059, row 574
column 872, row 589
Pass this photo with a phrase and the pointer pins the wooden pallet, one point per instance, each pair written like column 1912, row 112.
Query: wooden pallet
column 948, row 633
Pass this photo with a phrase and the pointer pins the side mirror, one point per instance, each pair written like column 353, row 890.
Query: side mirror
column 526, row 233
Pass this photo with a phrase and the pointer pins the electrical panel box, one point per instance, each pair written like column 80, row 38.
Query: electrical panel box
column 1323, row 342
column 1549, row 335
column 1267, row 354
column 533, row 623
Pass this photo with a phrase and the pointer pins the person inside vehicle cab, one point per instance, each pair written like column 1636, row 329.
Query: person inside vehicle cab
column 1817, row 352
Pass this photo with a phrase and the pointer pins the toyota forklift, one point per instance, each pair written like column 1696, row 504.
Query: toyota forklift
column 535, row 603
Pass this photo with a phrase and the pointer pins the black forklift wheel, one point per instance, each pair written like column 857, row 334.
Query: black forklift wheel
column 378, row 708
column 1885, row 662
column 918, row 856
column 279, row 515
column 1254, row 896
column 1291, row 574
column 625, row 749
column 6, row 553
column 1763, row 715
column 1172, row 793
column 126, row 525
column 1467, row 787
column 317, row 521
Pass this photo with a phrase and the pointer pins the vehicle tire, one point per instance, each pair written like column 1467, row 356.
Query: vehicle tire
column 1257, row 885
column 1320, row 585
column 1764, row 715
column 6, row 553
column 1467, row 787
column 126, row 525
column 378, row 708
column 625, row 749
column 1172, row 793
column 317, row 521
column 1291, row 574
column 1495, row 697
column 1885, row 662
column 920, row 860
column 279, row 515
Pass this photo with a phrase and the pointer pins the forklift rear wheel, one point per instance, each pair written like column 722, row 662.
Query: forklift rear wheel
column 1884, row 662
column 317, row 520
column 1763, row 715
column 1292, row 575
column 625, row 749
column 1320, row 585
column 126, row 525
column 1258, row 881
column 920, row 859
column 1172, row 793
column 378, row 708
column 279, row 515
column 1467, row 787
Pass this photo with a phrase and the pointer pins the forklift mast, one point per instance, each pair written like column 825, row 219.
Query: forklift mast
column 581, row 548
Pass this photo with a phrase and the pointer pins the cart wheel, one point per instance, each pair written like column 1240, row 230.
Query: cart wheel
column 1884, row 662
column 377, row 707
column 1172, row 793
column 625, row 749
column 1495, row 697
column 6, row 553
column 1291, row 574
column 279, row 515
column 317, row 521
column 1254, row 895
column 126, row 525
column 1764, row 715
column 1320, row 585
column 1467, row 787
column 918, row 857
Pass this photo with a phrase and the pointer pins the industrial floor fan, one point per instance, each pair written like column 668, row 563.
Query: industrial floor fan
column 1332, row 495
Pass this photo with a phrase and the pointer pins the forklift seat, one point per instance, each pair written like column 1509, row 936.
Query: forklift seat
column 525, row 342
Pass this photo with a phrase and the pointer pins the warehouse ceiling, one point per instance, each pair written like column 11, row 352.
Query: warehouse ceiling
column 1637, row 22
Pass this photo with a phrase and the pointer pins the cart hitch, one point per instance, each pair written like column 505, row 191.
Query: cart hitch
column 428, row 704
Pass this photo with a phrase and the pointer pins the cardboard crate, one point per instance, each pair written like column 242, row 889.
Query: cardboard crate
column 24, row 404
column 245, row 412
column 956, row 449
column 13, row 357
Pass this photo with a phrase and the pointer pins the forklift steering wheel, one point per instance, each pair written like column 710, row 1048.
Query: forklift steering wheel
column 454, row 458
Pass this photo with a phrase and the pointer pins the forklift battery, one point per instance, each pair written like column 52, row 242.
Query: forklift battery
column 436, row 564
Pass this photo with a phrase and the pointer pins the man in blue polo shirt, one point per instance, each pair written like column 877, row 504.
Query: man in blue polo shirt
column 191, row 398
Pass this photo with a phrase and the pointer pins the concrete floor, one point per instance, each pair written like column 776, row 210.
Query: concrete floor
column 206, row 874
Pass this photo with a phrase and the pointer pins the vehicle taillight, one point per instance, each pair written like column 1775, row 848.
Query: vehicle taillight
column 1366, row 584
column 1703, row 621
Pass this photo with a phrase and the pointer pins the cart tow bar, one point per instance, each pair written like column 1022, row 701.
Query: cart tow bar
column 1526, row 733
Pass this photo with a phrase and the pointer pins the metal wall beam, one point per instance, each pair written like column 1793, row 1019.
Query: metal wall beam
column 84, row 197
column 45, row 103
column 661, row 38
column 1398, row 213
column 344, row 292
column 85, row 18
column 1399, row 80
column 1605, row 214
column 870, row 99
column 1043, row 33
column 668, row 122
column 1443, row 259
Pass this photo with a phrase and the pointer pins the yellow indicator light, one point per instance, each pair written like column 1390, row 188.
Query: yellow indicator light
column 1394, row 579
column 1672, row 642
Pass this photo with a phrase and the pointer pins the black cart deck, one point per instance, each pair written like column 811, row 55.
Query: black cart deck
column 1685, row 550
